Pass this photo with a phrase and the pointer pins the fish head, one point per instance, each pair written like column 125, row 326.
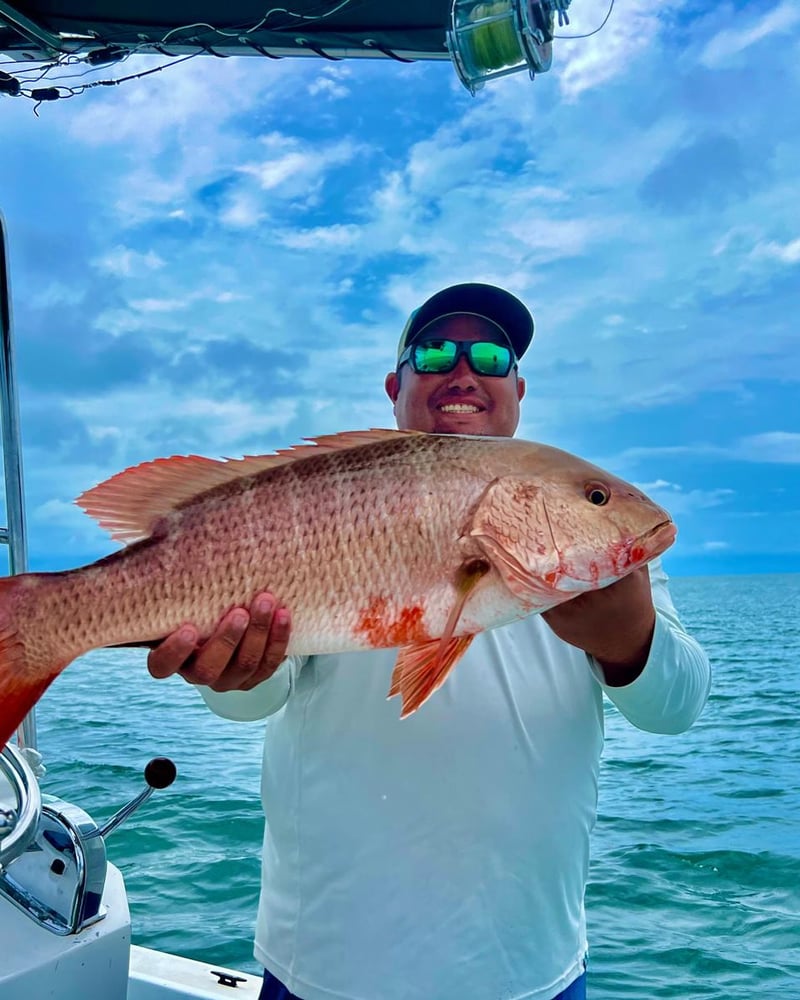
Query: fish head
column 566, row 528
column 602, row 528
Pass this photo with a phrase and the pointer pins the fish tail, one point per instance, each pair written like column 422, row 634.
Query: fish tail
column 23, row 679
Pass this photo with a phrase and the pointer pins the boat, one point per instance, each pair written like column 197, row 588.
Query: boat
column 65, row 923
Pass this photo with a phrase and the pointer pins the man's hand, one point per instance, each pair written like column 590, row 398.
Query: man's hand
column 246, row 648
column 614, row 625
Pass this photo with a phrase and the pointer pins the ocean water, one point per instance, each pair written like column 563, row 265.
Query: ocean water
column 695, row 880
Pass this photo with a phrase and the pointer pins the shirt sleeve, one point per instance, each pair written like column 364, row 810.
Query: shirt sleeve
column 263, row 700
column 670, row 692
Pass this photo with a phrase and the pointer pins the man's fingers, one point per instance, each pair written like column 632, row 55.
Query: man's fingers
column 254, row 643
column 275, row 650
column 217, row 652
column 172, row 654
column 246, row 648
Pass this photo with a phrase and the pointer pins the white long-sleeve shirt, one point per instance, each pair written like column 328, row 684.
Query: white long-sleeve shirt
column 444, row 856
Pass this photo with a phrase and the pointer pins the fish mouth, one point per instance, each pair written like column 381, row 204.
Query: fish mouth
column 653, row 542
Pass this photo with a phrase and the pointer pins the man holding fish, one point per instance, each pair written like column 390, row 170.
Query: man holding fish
column 444, row 856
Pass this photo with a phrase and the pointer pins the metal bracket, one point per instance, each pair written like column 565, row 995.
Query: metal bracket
column 46, row 42
column 227, row 979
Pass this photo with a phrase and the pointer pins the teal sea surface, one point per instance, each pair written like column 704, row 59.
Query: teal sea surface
column 695, row 881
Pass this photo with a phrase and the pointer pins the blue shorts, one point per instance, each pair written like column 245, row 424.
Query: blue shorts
column 273, row 989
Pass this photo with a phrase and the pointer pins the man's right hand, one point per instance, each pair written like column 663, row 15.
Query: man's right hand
column 245, row 648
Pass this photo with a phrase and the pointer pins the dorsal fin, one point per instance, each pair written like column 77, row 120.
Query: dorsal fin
column 130, row 503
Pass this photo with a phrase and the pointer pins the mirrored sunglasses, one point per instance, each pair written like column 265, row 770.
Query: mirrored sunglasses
column 438, row 357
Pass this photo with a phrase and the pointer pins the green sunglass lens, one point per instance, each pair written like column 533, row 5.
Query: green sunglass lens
column 435, row 356
column 490, row 359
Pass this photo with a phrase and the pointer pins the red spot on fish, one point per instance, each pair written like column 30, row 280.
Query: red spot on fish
column 620, row 556
column 382, row 627
column 626, row 554
column 551, row 579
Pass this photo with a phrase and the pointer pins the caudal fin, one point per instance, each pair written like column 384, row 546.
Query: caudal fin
column 22, row 682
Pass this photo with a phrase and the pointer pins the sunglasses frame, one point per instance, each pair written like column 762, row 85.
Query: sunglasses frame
column 463, row 349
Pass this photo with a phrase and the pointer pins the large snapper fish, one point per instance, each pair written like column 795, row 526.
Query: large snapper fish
column 372, row 538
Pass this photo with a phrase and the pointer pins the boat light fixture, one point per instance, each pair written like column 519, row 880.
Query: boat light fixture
column 493, row 38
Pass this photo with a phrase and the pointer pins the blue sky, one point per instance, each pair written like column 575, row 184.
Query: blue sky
column 218, row 259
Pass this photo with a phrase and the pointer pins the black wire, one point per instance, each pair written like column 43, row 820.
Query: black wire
column 590, row 33
column 85, row 72
column 135, row 76
column 289, row 21
column 74, row 91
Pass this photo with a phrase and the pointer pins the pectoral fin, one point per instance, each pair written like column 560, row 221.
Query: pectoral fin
column 423, row 667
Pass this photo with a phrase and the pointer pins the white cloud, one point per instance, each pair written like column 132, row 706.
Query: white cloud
column 786, row 253
column 70, row 524
column 551, row 238
column 159, row 419
column 288, row 166
column 680, row 502
column 737, row 239
column 56, row 512
column 657, row 484
column 124, row 262
column 294, row 169
column 714, row 546
column 158, row 305
column 58, row 293
column 322, row 238
column 731, row 41
column 177, row 131
column 242, row 210
column 780, row 447
column 189, row 102
column 118, row 322
column 331, row 83
column 584, row 63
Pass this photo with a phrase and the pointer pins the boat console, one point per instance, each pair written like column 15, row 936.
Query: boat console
column 53, row 855
column 57, row 890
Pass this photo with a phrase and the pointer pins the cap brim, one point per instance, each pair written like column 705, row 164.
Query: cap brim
column 495, row 303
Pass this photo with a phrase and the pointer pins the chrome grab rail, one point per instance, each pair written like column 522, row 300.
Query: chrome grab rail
column 23, row 821
column 15, row 535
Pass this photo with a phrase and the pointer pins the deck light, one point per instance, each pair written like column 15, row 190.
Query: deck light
column 496, row 37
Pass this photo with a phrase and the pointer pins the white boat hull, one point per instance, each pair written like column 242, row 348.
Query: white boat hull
column 100, row 962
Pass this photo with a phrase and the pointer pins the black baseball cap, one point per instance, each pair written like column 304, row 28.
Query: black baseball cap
column 489, row 301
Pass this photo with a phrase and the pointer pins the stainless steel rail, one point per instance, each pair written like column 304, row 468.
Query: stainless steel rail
column 14, row 535
column 28, row 809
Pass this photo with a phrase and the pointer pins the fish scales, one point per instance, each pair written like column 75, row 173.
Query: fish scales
column 371, row 539
column 343, row 524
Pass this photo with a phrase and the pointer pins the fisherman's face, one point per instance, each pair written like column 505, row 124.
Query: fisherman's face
column 458, row 402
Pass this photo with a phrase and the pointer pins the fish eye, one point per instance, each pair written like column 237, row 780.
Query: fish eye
column 597, row 493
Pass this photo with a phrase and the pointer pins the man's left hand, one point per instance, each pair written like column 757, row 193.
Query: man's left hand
column 614, row 625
